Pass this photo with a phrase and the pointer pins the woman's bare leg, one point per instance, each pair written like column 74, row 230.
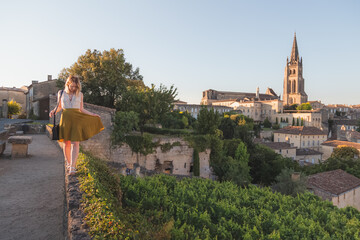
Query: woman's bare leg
column 67, row 151
column 74, row 153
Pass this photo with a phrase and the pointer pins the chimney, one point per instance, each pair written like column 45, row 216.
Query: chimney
column 295, row 176
column 49, row 77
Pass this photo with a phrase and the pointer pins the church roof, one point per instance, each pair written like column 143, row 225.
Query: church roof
column 294, row 51
column 303, row 130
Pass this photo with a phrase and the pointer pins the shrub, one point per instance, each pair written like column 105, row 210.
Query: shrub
column 14, row 108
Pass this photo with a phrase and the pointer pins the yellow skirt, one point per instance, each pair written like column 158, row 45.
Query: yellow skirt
column 77, row 126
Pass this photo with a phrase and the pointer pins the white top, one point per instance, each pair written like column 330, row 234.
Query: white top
column 74, row 102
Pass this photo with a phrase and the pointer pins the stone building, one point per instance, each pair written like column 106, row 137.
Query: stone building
column 301, row 137
column 337, row 186
column 255, row 109
column 283, row 148
column 327, row 147
column 307, row 156
column 210, row 96
column 16, row 94
column 194, row 109
column 294, row 83
column 310, row 118
column 37, row 97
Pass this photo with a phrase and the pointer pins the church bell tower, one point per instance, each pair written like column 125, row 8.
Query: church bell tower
column 294, row 92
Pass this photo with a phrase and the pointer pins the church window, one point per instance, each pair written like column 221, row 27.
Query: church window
column 294, row 71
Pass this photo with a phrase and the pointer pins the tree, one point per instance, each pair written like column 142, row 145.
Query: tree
column 227, row 126
column 277, row 121
column 345, row 152
column 285, row 184
column 293, row 122
column 14, row 108
column 265, row 164
column 105, row 76
column 297, row 122
column 150, row 103
column 124, row 123
column 304, row 106
column 302, row 122
column 242, row 174
column 267, row 123
column 196, row 162
column 208, row 121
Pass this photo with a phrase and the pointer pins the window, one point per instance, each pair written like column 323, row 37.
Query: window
column 308, row 143
column 312, row 161
column 184, row 165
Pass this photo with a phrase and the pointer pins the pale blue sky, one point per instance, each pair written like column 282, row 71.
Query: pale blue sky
column 195, row 45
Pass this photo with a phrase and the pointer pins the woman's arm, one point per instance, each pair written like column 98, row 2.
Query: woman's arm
column 84, row 110
column 59, row 106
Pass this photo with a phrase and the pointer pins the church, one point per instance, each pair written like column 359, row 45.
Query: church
column 294, row 82
column 293, row 89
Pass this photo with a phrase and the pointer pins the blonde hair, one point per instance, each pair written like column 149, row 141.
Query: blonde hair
column 73, row 79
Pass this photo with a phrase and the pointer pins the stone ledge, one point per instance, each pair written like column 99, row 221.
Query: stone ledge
column 77, row 229
column 20, row 139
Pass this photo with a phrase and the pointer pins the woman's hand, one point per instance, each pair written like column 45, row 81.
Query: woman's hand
column 51, row 114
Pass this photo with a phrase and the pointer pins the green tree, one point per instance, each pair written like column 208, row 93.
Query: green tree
column 345, row 152
column 124, row 123
column 208, row 121
column 297, row 122
column 304, row 106
column 105, row 76
column 239, row 170
column 14, row 108
column 150, row 103
column 227, row 126
column 196, row 162
column 302, row 122
column 285, row 184
column 277, row 120
column 293, row 122
column 267, row 123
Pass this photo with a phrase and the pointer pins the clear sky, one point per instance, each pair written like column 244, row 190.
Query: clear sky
column 194, row 45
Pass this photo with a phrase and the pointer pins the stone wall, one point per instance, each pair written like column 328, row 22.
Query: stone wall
column 16, row 94
column 349, row 198
column 178, row 160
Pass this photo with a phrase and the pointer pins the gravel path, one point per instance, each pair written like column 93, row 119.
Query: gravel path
column 32, row 193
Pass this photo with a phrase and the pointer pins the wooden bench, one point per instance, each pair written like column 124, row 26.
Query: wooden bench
column 19, row 145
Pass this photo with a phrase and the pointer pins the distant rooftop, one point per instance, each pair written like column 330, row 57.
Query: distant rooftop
column 307, row 151
column 334, row 182
column 277, row 145
column 296, row 130
column 337, row 143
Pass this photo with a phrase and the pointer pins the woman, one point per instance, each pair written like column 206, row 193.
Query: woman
column 76, row 123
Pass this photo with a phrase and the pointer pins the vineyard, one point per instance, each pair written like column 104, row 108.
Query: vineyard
column 162, row 207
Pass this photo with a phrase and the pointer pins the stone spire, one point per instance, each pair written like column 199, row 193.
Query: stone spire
column 294, row 51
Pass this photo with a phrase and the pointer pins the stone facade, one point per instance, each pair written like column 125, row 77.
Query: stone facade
column 337, row 186
column 310, row 118
column 294, row 83
column 285, row 149
column 210, row 96
column 301, row 137
column 328, row 147
column 194, row 109
column 16, row 94
column 37, row 97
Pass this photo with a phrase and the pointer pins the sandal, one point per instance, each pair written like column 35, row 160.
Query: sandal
column 72, row 171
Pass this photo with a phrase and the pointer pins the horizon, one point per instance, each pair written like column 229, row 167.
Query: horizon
column 194, row 46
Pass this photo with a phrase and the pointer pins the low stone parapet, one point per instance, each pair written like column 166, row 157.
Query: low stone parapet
column 19, row 145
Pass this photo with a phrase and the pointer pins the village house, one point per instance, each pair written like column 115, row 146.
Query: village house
column 17, row 94
column 301, row 137
column 194, row 109
column 307, row 156
column 37, row 98
column 283, row 148
column 337, row 186
column 328, row 147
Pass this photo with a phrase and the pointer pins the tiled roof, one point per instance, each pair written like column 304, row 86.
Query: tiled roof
column 336, row 143
column 352, row 122
column 301, row 130
column 307, row 151
column 277, row 145
column 335, row 182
